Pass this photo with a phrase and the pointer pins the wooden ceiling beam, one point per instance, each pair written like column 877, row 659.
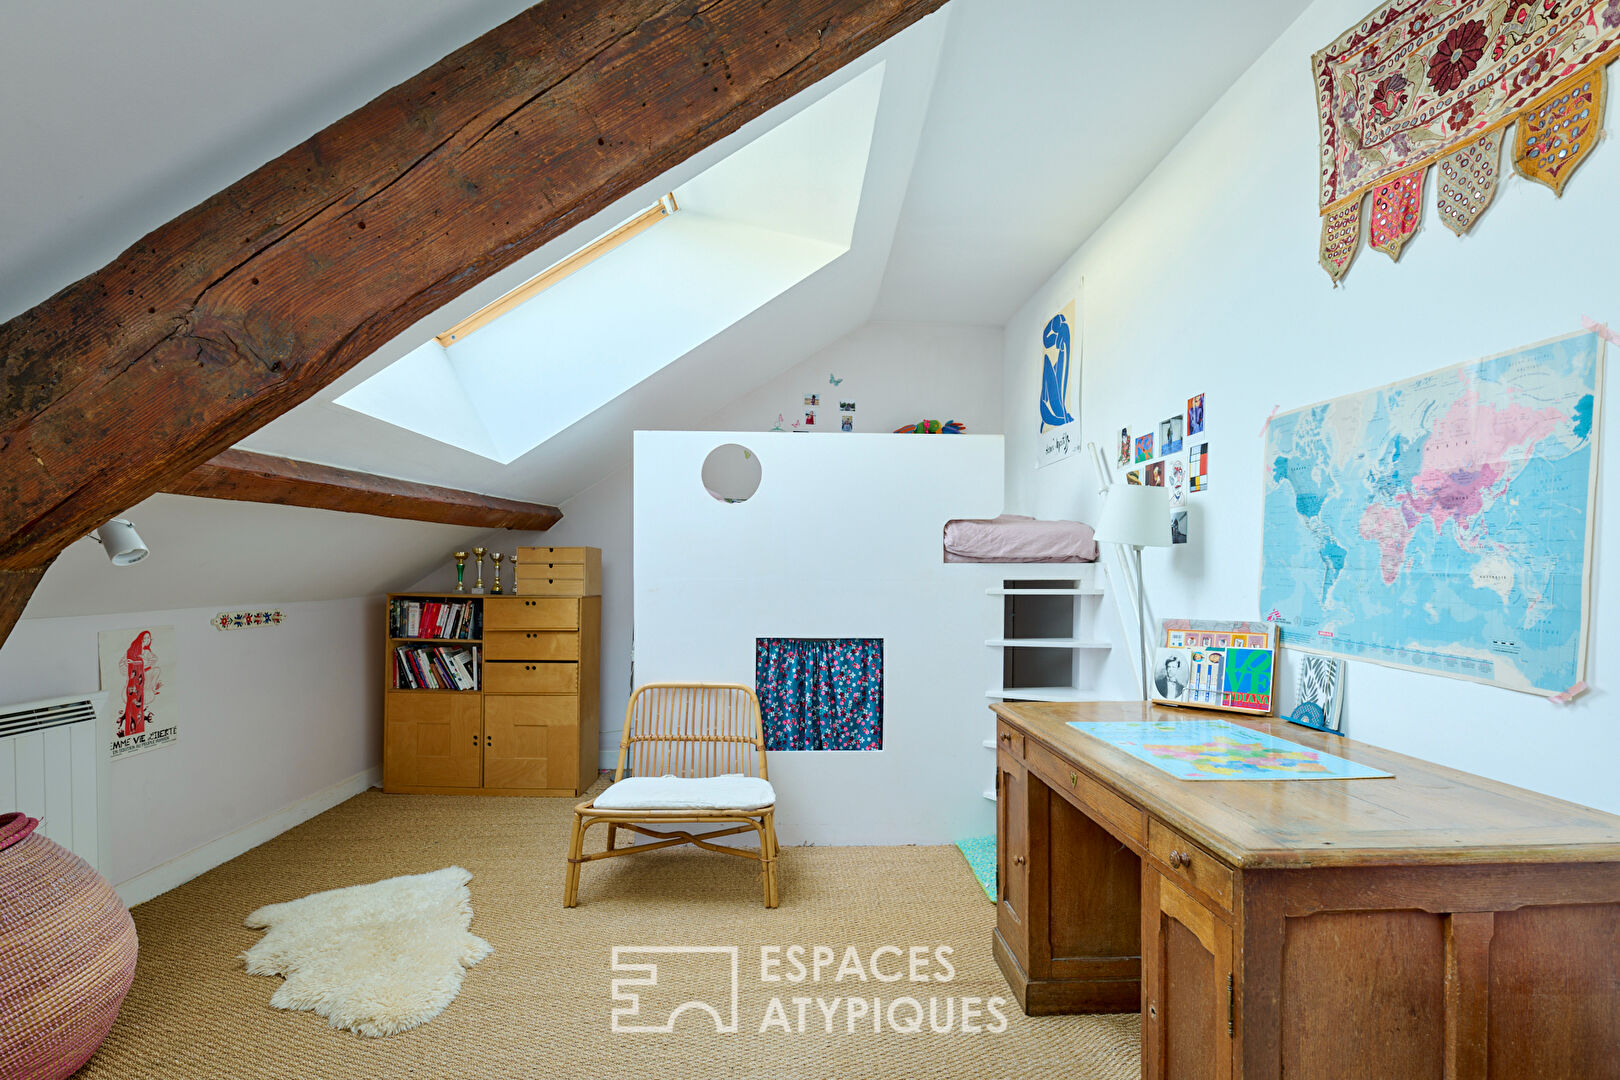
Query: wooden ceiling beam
column 239, row 309
column 16, row 586
column 265, row 478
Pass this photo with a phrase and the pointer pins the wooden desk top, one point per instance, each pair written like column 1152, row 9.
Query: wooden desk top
column 1426, row 814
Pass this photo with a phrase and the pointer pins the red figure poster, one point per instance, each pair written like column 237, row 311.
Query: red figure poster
column 137, row 674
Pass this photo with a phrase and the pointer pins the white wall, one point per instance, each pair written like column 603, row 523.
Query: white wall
column 269, row 718
column 841, row 540
column 1206, row 281
column 894, row 371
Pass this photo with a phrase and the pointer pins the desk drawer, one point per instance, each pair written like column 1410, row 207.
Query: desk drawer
column 514, row 677
column 538, row 585
column 522, row 613
column 532, row 645
column 1124, row 817
column 1191, row 864
column 1009, row 740
column 533, row 556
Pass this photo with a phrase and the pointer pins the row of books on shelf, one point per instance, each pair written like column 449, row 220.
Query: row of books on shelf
column 433, row 619
column 437, row 668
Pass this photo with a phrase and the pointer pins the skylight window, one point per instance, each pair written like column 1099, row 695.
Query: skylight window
column 588, row 327
column 626, row 230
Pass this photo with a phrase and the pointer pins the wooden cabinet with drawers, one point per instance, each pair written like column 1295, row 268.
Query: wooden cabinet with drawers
column 530, row 727
column 559, row 571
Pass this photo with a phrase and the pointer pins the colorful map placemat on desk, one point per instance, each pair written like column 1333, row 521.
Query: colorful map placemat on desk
column 1220, row 750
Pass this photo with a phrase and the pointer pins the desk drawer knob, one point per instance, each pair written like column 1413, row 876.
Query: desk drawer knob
column 1074, row 778
column 1018, row 860
column 1180, row 860
column 1006, row 738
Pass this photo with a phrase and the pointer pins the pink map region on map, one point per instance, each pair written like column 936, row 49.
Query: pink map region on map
column 1464, row 459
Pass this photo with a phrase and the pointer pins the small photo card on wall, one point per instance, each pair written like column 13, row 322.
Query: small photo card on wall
column 1170, row 435
column 1198, row 467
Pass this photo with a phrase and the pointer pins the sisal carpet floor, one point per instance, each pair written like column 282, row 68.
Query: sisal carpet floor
column 541, row 1005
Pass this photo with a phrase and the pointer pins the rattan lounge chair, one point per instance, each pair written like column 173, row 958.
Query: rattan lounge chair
column 692, row 753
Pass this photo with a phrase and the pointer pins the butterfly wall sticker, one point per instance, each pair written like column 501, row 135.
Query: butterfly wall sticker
column 834, row 380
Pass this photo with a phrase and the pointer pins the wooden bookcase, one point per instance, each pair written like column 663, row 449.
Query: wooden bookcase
column 531, row 727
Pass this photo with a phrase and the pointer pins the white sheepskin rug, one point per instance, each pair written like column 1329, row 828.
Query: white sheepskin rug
column 375, row 959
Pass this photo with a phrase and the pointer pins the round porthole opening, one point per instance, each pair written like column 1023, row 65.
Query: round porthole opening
column 731, row 473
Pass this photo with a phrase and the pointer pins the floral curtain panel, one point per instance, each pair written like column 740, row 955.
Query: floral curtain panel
column 820, row 693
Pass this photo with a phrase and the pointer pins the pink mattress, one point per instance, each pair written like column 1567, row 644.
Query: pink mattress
column 1012, row 538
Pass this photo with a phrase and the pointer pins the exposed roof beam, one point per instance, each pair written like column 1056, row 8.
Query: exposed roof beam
column 16, row 586
column 244, row 306
column 264, row 478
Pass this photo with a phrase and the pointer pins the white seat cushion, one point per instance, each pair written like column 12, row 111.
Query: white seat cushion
column 731, row 792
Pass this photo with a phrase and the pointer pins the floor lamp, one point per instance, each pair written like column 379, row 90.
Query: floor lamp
column 1136, row 516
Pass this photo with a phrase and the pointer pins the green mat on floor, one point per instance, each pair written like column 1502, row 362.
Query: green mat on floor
column 980, row 853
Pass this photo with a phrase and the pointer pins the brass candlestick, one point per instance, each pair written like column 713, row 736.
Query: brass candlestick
column 461, row 571
column 478, row 581
column 496, row 557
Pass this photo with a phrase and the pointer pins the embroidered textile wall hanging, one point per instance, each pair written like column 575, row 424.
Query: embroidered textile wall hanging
column 1421, row 82
column 248, row 620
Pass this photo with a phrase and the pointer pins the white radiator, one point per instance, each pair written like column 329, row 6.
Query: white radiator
column 49, row 768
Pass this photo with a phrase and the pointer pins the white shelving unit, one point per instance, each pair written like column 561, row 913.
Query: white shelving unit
column 1039, row 693
column 1046, row 642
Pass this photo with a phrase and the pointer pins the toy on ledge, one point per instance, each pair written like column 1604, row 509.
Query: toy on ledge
column 932, row 427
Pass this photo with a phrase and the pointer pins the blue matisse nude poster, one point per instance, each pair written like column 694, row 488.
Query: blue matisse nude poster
column 1060, row 388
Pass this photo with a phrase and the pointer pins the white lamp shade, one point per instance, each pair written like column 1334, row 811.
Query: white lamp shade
column 121, row 542
column 1136, row 515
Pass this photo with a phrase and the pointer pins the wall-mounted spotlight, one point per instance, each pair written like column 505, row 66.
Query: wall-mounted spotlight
column 121, row 542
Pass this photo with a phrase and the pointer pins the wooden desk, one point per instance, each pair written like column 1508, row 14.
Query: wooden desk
column 1434, row 925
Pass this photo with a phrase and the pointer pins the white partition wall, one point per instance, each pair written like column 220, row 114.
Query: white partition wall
column 842, row 539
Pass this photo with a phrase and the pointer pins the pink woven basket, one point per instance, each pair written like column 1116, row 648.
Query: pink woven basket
column 67, row 955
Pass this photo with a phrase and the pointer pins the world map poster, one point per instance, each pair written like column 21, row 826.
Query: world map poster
column 1442, row 523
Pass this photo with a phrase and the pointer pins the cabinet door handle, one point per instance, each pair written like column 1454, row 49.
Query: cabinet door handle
column 1018, row 860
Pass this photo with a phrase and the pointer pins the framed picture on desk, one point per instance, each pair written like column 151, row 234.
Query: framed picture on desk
column 1228, row 666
